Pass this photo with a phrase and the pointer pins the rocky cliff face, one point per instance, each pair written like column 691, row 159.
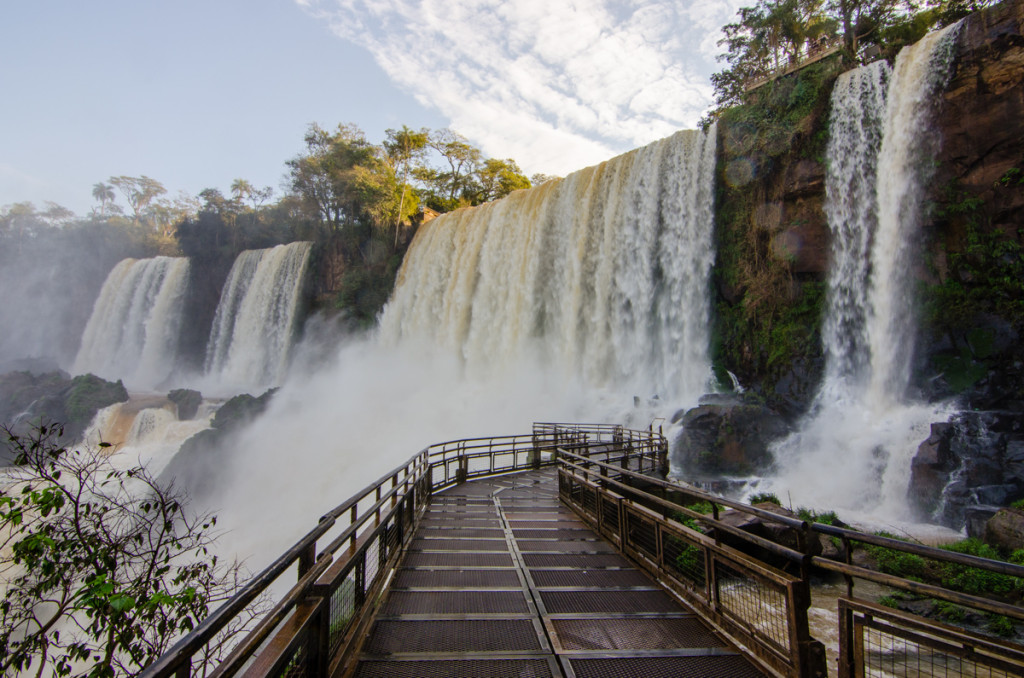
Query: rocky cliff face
column 773, row 235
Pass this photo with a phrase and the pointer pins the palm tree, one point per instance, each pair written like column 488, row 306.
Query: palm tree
column 103, row 193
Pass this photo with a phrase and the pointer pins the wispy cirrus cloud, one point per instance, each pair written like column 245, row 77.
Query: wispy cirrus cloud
column 555, row 85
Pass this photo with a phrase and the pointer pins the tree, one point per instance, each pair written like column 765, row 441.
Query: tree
column 497, row 178
column 452, row 187
column 104, row 194
column 138, row 192
column 326, row 175
column 402, row 148
column 862, row 18
column 102, row 567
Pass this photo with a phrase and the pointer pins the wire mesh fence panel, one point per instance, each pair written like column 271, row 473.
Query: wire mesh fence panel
column 342, row 610
column 589, row 501
column 298, row 665
column 755, row 604
column 887, row 646
column 372, row 564
column 610, row 515
column 642, row 535
column 685, row 560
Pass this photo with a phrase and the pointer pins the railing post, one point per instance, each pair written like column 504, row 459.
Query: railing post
column 307, row 559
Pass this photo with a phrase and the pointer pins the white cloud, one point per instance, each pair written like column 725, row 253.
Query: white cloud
column 555, row 85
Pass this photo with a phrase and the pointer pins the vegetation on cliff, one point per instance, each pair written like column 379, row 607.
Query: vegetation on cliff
column 770, row 180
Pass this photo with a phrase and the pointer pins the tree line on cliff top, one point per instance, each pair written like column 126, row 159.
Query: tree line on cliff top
column 357, row 200
column 772, row 35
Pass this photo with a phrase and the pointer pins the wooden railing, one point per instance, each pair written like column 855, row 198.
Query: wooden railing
column 314, row 629
column 606, row 475
column 765, row 608
column 761, row 607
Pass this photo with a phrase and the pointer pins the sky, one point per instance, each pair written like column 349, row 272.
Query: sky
column 197, row 93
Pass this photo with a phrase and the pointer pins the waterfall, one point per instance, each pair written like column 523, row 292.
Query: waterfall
column 853, row 450
column 603, row 274
column 255, row 319
column 134, row 328
column 855, row 136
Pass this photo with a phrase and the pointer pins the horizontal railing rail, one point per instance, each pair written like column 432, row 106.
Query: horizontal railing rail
column 314, row 628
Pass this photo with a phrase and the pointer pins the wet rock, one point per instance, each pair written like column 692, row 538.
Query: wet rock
column 996, row 495
column 1005, row 530
column 761, row 527
column 198, row 465
column 187, row 401
column 976, row 518
column 728, row 438
column 54, row 397
column 930, row 470
column 796, row 388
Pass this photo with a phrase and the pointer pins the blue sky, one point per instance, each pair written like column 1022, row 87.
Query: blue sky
column 198, row 93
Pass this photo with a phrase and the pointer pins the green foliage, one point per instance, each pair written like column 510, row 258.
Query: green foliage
column 890, row 601
column 764, row 497
column 1019, row 504
column 768, row 317
column 986, row 272
column 949, row 612
column 1001, row 626
column 89, row 394
column 704, row 507
column 363, row 291
column 895, row 562
column 826, row 518
column 122, row 567
column 973, row 580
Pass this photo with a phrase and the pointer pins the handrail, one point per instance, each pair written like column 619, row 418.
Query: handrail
column 207, row 630
column 610, row 467
column 452, row 461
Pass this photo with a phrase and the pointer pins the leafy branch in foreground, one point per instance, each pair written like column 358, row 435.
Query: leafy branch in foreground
column 101, row 568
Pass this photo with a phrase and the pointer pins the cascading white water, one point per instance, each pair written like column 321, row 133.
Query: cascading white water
column 854, row 448
column 255, row 319
column 604, row 274
column 858, row 105
column 503, row 315
column 135, row 324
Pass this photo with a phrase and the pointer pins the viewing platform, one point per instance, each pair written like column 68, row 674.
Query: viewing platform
column 564, row 553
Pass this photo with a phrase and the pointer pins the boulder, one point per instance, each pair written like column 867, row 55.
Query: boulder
column 54, row 397
column 730, row 437
column 198, row 465
column 187, row 401
column 976, row 518
column 930, row 470
column 761, row 527
column 1005, row 530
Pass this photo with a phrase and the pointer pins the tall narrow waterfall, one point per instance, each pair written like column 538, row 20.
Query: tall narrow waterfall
column 603, row 275
column 853, row 451
column 135, row 324
column 255, row 320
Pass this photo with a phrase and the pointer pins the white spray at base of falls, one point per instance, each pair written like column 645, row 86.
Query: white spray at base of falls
column 135, row 324
column 854, row 448
column 604, row 274
column 254, row 324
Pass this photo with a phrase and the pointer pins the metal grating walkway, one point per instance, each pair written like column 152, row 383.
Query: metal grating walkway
column 504, row 580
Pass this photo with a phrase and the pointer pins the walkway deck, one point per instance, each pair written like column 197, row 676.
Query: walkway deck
column 504, row 580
